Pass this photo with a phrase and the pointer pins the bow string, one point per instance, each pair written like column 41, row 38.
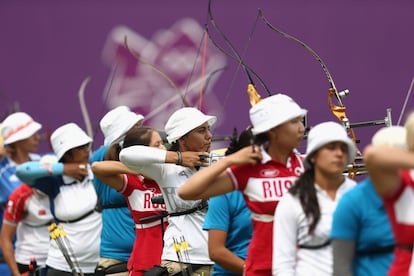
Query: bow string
column 254, row 96
column 338, row 110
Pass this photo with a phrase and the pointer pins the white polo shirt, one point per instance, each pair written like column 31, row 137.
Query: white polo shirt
column 291, row 229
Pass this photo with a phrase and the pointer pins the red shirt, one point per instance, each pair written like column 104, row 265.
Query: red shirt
column 263, row 185
column 400, row 209
column 148, row 243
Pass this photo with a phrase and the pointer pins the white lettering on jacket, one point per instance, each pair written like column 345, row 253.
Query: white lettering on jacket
column 268, row 189
column 141, row 201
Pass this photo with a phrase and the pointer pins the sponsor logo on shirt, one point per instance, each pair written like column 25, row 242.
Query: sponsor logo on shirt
column 269, row 173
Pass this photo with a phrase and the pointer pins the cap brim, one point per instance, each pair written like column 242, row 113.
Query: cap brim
column 23, row 134
column 211, row 120
column 256, row 131
column 350, row 144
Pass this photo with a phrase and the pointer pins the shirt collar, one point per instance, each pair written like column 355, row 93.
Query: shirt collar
column 266, row 157
column 341, row 189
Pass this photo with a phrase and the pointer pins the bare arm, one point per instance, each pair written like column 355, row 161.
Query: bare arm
column 383, row 164
column 111, row 173
column 220, row 254
column 343, row 257
column 213, row 180
column 7, row 234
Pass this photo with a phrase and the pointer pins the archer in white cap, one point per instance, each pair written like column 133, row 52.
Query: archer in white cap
column 114, row 125
column 20, row 142
column 117, row 237
column 20, row 139
column 20, row 136
column 391, row 172
column 302, row 224
column 361, row 235
column 69, row 185
column 263, row 172
column 137, row 191
column 188, row 131
column 25, row 232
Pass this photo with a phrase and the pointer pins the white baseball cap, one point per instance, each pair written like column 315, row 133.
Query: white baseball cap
column 273, row 111
column 325, row 133
column 18, row 126
column 116, row 123
column 184, row 120
column 394, row 136
column 67, row 137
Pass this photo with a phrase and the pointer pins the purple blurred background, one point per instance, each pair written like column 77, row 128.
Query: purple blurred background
column 48, row 48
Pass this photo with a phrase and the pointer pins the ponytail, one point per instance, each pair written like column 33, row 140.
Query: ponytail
column 304, row 189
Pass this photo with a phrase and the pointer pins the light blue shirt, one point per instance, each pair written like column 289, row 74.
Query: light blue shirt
column 8, row 179
column 229, row 213
column 360, row 216
column 118, row 234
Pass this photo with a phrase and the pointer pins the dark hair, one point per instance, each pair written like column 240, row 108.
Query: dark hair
column 69, row 153
column 138, row 136
column 66, row 156
column 304, row 188
column 246, row 138
column 112, row 153
column 175, row 146
column 261, row 138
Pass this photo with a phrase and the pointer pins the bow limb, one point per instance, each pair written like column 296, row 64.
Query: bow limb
column 252, row 87
column 339, row 111
column 84, row 109
column 156, row 69
column 309, row 49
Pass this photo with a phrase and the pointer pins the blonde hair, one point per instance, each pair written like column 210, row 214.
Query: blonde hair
column 409, row 126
